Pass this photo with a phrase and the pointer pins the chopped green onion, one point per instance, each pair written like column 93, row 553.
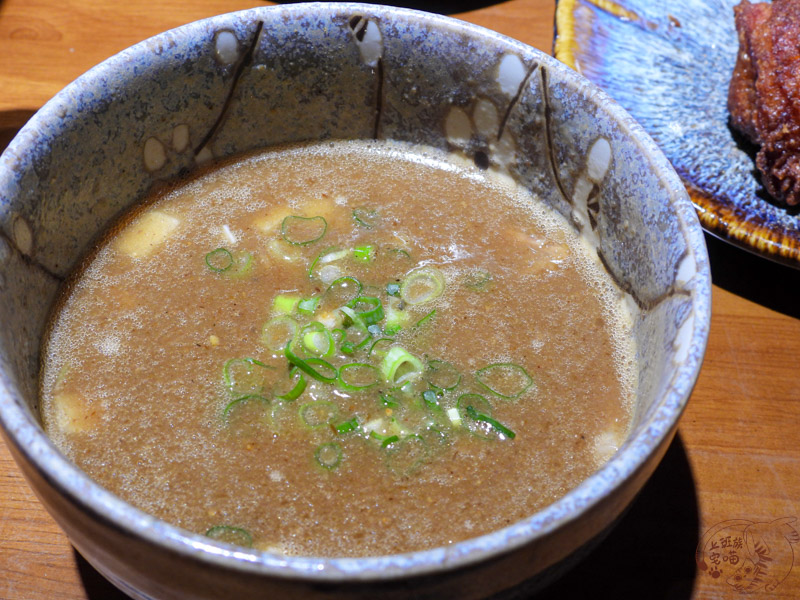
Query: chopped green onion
column 393, row 289
column 404, row 457
column 297, row 389
column 364, row 253
column 479, row 404
column 422, row 285
column 231, row 535
column 242, row 264
column 307, row 366
column 348, row 426
column 278, row 333
column 366, row 217
column 308, row 306
column 368, row 309
column 426, row 318
column 496, row 425
column 219, row 260
column 343, row 290
column 316, row 339
column 506, row 380
column 326, row 257
column 389, row 441
column 380, row 347
column 285, row 304
column 400, row 366
column 358, row 376
column 318, row 414
column 328, row 455
column 442, row 375
column 301, row 231
column 431, row 399
column 389, row 401
column 245, row 376
column 396, row 318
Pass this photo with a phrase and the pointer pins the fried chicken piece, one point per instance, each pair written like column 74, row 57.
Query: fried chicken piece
column 764, row 94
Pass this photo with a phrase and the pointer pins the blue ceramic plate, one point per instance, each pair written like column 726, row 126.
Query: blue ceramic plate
column 669, row 64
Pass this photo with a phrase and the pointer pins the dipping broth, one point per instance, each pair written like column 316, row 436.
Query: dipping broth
column 343, row 349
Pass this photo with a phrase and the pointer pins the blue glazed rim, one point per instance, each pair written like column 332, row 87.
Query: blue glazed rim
column 653, row 433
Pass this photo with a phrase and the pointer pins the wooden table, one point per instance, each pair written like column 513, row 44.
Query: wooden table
column 737, row 452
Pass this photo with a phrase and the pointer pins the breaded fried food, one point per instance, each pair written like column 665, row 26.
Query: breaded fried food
column 764, row 93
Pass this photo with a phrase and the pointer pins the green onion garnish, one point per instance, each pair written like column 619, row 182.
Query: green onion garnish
column 348, row 426
column 431, row 400
column 308, row 306
column 301, row 231
column 389, row 401
column 307, row 366
column 364, row 253
column 496, row 425
column 328, row 455
column 318, row 414
column 380, row 347
column 478, row 280
column 368, row 309
column 231, row 535
column 278, row 333
column 285, row 304
column 389, row 441
column 245, row 376
column 316, row 339
column 325, row 257
column 219, row 260
column 393, row 289
column 426, row 318
column 399, row 366
column 245, row 404
column 358, row 376
column 442, row 375
column 297, row 389
column 506, row 380
column 366, row 217
column 343, row 290
column 422, row 285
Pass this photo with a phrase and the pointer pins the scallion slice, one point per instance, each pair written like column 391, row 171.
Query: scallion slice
column 466, row 404
column 393, row 289
column 247, row 411
column 358, row 376
column 318, row 414
column 301, row 231
column 380, row 347
column 442, row 375
column 386, row 442
column 296, row 376
column 506, row 380
column 364, row 253
column 478, row 280
column 348, row 426
column 495, row 424
column 422, row 285
column 285, row 304
column 308, row 306
column 399, row 366
column 278, row 333
column 324, row 370
column 219, row 260
column 244, row 376
column 431, row 399
column 366, row 217
column 368, row 309
column 231, row 535
column 328, row 455
column 342, row 291
column 325, row 258
column 426, row 318
column 316, row 339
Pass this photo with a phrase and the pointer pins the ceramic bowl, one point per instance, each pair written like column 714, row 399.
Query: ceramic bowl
column 298, row 72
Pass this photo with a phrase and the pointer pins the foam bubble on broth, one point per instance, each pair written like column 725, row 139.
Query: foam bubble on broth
column 263, row 477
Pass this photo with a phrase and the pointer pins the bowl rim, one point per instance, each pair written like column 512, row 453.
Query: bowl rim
column 22, row 429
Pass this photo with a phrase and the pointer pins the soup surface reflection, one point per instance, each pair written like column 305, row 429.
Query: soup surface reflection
column 341, row 349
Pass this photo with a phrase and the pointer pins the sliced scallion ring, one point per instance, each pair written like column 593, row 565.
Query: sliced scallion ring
column 407, row 455
column 466, row 404
column 368, row 309
column 399, row 366
column 319, row 369
column 507, row 380
column 301, row 231
column 364, row 253
column 478, row 280
column 426, row 319
column 431, row 400
column 244, row 376
column 219, row 260
column 278, row 333
column 493, row 423
column 318, row 414
column 231, row 535
column 316, row 339
column 348, row 426
column 422, row 285
column 366, row 217
column 358, row 376
column 247, row 412
column 380, row 347
column 442, row 375
column 328, row 455
column 299, row 386
column 342, row 290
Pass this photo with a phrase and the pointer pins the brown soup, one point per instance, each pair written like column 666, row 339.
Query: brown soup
column 342, row 349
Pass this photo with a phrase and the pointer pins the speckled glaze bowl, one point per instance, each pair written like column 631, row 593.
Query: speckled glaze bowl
column 308, row 72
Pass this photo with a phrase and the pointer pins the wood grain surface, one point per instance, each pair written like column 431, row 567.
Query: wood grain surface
column 737, row 452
